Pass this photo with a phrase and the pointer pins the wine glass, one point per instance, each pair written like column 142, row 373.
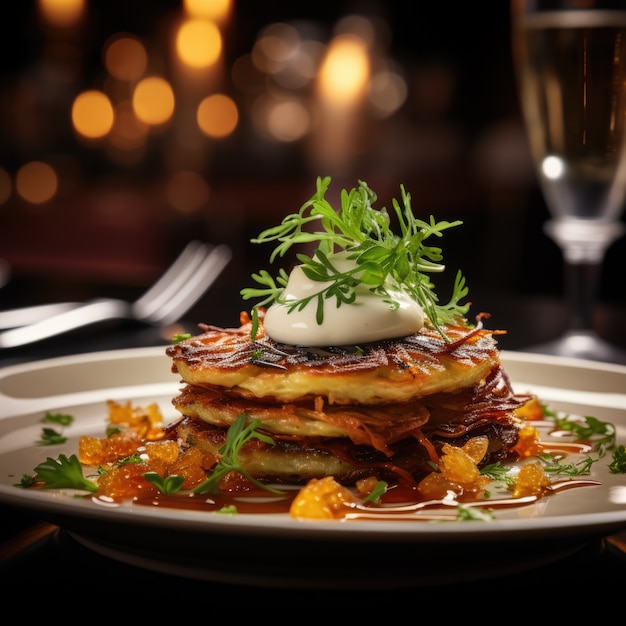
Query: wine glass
column 570, row 59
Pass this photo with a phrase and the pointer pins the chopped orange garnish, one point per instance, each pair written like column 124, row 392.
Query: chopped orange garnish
column 322, row 498
column 531, row 410
column 531, row 481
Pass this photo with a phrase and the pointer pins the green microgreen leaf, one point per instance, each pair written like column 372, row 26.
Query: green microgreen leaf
column 580, row 468
column 255, row 324
column 168, row 485
column 618, row 464
column 497, row 471
column 377, row 493
column 111, row 430
column 133, row 459
column 583, row 430
column 239, row 432
column 230, row 509
column 50, row 437
column 26, row 481
column 601, row 435
column 63, row 419
column 589, row 428
column 383, row 258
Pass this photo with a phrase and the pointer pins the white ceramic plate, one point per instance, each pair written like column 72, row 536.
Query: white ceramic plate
column 275, row 549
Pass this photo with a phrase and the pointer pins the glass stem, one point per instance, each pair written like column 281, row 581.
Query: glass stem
column 584, row 244
column 581, row 289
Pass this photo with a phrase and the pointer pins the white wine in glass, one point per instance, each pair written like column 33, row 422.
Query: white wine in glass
column 570, row 57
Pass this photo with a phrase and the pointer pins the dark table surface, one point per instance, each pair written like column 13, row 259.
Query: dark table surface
column 33, row 549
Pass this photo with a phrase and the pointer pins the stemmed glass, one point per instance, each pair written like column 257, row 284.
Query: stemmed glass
column 570, row 58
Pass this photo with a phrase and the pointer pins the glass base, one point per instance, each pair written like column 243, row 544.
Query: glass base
column 582, row 344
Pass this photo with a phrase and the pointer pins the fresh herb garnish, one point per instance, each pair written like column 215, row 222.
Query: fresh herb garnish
column 133, row 459
column 377, row 493
column 497, row 471
column 63, row 419
column 168, row 485
column 50, row 436
column 237, row 435
column 230, row 509
column 618, row 464
column 65, row 472
column 602, row 434
column 582, row 468
column 27, row 481
column 382, row 258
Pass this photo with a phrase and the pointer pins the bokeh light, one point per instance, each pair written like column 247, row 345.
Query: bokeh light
column 125, row 57
column 92, row 114
column 387, row 93
column 179, row 83
column 274, row 47
column 153, row 100
column 344, row 72
column 216, row 10
column 289, row 120
column 198, row 43
column 217, row 116
column 62, row 13
column 36, row 182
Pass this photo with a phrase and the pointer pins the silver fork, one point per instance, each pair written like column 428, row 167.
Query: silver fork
column 174, row 293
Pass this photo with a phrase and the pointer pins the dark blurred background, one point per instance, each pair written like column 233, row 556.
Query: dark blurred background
column 101, row 184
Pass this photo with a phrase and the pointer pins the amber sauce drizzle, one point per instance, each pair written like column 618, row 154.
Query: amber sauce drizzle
column 398, row 503
column 260, row 503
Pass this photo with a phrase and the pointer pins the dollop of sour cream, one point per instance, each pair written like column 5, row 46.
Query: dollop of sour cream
column 368, row 318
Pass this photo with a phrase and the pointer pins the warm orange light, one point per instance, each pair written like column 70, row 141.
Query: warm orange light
column 215, row 10
column 92, row 114
column 125, row 57
column 62, row 13
column 199, row 43
column 217, row 116
column 345, row 71
column 153, row 100
column 36, row 182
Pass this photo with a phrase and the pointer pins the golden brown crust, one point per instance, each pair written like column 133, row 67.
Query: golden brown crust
column 446, row 415
column 377, row 425
column 380, row 373
column 382, row 409
column 284, row 461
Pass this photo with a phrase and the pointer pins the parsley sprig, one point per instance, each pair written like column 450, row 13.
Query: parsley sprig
column 364, row 235
column 63, row 473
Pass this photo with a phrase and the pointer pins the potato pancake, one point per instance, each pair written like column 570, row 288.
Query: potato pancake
column 385, row 372
column 379, row 409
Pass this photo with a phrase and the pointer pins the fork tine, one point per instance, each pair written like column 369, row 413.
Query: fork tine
column 176, row 275
column 177, row 290
column 194, row 287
